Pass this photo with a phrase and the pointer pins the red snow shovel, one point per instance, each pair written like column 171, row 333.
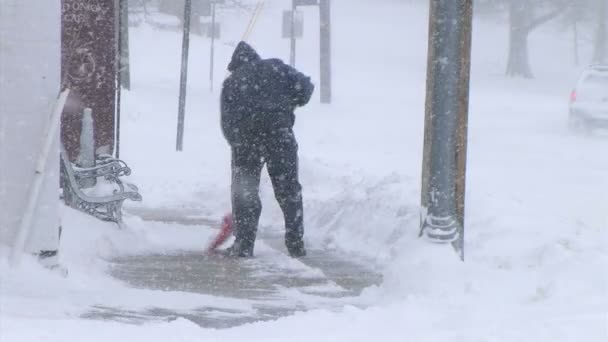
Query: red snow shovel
column 225, row 232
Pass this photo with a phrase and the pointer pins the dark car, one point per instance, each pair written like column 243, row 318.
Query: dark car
column 589, row 100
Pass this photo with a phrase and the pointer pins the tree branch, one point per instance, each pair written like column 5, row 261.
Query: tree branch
column 544, row 18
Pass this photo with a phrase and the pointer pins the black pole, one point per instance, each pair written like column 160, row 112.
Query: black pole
column 325, row 50
column 183, row 76
column 212, row 46
column 446, row 120
column 292, row 50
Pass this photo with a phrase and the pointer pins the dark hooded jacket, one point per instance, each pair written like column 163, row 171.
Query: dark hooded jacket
column 260, row 95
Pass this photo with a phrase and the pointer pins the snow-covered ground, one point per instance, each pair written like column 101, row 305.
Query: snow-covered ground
column 537, row 196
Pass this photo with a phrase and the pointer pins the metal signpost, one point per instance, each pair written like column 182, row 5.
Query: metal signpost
column 213, row 32
column 325, row 48
column 293, row 24
column 181, row 113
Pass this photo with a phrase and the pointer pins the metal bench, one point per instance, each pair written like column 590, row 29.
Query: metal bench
column 106, row 207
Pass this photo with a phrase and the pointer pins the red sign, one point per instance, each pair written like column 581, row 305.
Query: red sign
column 88, row 63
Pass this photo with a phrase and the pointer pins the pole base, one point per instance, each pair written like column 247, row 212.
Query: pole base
column 440, row 229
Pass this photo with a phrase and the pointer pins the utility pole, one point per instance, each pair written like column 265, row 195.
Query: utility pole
column 181, row 113
column 445, row 138
column 212, row 46
column 325, row 49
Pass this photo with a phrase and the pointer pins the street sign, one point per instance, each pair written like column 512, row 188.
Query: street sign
column 203, row 7
column 88, row 67
column 298, row 20
column 306, row 2
column 200, row 8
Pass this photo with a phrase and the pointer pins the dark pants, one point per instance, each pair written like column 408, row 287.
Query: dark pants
column 279, row 151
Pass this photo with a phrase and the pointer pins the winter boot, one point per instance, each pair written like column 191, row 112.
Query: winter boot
column 240, row 249
column 296, row 248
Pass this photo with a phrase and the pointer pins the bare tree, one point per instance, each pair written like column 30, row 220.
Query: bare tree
column 600, row 55
column 522, row 21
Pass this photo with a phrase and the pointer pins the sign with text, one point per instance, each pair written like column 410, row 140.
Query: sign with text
column 306, row 2
column 200, row 8
column 88, row 68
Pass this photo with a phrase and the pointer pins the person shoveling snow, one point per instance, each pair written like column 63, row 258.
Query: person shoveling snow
column 257, row 116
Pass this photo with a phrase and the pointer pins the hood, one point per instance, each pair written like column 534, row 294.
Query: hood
column 243, row 53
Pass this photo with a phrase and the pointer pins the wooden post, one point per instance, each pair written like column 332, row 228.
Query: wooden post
column 325, row 50
column 211, row 58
